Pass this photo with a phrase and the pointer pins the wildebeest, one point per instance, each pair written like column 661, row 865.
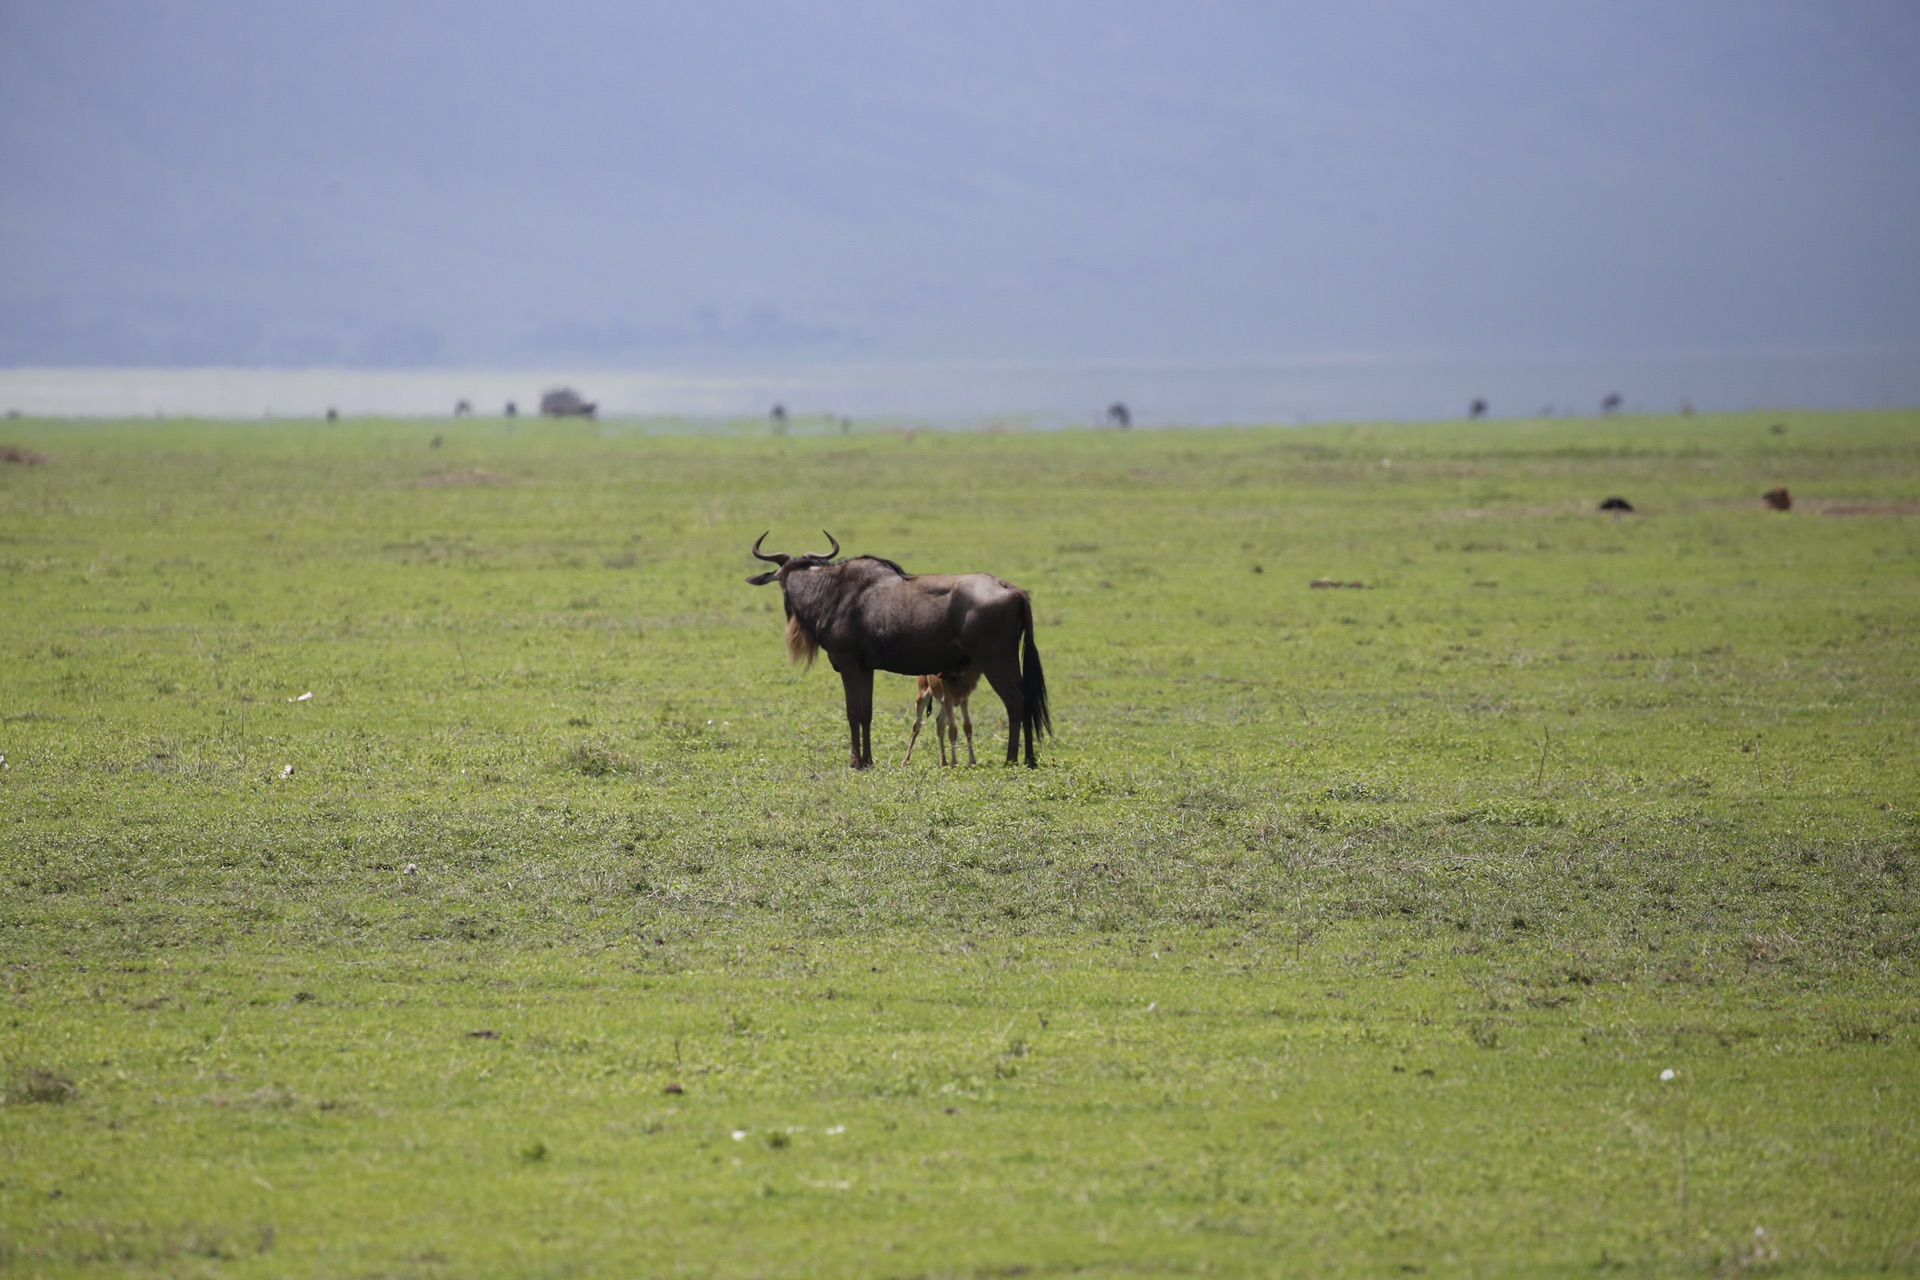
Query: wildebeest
column 1778, row 499
column 463, row 409
column 1615, row 503
column 1612, row 403
column 513, row 410
column 1478, row 409
column 1119, row 415
column 871, row 615
column 565, row 402
column 950, row 689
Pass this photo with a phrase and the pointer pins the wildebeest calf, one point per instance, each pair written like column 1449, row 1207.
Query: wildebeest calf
column 949, row 690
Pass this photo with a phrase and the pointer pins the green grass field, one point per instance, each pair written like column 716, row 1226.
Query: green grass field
column 1340, row 932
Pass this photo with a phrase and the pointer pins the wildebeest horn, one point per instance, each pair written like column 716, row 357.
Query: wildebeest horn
column 836, row 546
column 775, row 559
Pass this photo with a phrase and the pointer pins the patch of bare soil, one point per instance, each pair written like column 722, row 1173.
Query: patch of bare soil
column 25, row 457
column 459, row 479
column 1861, row 506
column 1485, row 513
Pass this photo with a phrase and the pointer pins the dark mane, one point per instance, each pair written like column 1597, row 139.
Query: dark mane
column 880, row 560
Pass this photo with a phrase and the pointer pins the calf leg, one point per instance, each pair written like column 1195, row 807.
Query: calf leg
column 921, row 702
column 947, row 733
column 966, row 716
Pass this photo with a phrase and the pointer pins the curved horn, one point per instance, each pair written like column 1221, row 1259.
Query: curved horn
column 775, row 559
column 836, row 546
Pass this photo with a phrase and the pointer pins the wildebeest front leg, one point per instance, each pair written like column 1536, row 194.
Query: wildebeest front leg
column 859, row 687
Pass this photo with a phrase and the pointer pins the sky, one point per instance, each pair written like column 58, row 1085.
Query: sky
column 415, row 184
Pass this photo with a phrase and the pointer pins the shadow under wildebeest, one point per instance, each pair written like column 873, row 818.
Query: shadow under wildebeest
column 871, row 615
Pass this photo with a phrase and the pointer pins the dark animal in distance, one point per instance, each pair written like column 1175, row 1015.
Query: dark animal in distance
column 1778, row 498
column 463, row 409
column 949, row 690
column 333, row 414
column 1615, row 503
column 513, row 410
column 565, row 402
column 1478, row 409
column 1119, row 415
column 871, row 615
column 1612, row 403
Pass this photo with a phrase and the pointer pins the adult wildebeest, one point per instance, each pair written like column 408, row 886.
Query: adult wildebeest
column 949, row 690
column 871, row 615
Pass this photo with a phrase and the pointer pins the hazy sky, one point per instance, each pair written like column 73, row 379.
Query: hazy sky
column 400, row 184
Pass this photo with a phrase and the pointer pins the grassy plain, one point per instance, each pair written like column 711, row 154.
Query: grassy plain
column 1341, row 931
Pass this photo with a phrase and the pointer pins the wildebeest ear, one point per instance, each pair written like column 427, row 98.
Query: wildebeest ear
column 762, row 579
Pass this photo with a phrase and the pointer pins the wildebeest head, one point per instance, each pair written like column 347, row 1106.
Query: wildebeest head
column 789, row 564
column 801, row 644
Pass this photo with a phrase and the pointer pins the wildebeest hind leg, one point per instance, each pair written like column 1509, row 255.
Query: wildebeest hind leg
column 1006, row 683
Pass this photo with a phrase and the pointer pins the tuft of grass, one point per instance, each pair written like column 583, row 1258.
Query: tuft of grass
column 592, row 759
column 40, row 1084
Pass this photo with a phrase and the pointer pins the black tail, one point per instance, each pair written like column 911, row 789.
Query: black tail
column 1033, row 683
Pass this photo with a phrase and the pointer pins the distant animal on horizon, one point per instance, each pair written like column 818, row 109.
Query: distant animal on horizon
column 1119, row 415
column 1615, row 503
column 565, row 402
column 871, row 615
column 513, row 410
column 333, row 414
column 949, row 690
column 463, row 409
column 1612, row 403
column 1478, row 409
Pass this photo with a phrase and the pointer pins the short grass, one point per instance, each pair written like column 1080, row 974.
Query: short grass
column 1341, row 931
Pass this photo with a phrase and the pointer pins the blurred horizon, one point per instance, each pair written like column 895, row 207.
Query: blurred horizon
column 757, row 185
column 986, row 393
